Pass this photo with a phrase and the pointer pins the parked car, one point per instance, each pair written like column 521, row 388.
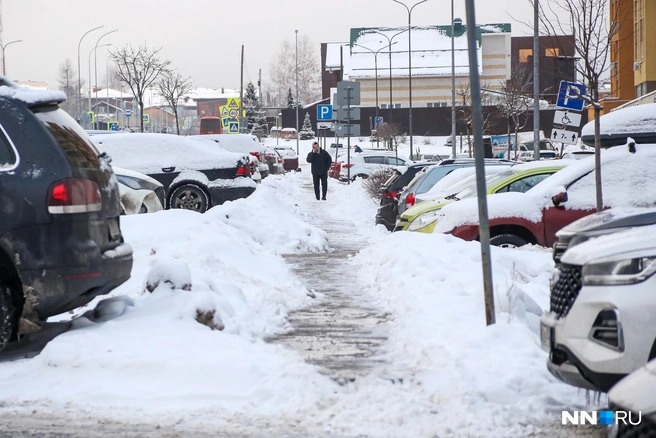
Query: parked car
column 600, row 325
column 242, row 144
column 519, row 178
column 635, row 394
column 196, row 174
column 273, row 160
column 60, row 237
column 139, row 193
column 389, row 206
column 576, row 155
column 628, row 180
column 616, row 127
column 362, row 164
column 425, row 181
column 289, row 158
column 599, row 224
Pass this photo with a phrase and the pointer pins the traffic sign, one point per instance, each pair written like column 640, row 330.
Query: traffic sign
column 567, row 118
column 347, row 114
column 564, row 136
column 112, row 125
column 233, row 102
column 324, row 113
column 128, row 113
column 570, row 95
column 225, row 112
column 346, row 130
column 346, row 90
column 146, row 118
column 378, row 120
column 323, row 125
column 233, row 128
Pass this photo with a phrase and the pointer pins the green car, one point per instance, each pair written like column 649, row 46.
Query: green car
column 519, row 178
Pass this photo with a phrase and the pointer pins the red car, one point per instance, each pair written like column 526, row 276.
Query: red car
column 628, row 180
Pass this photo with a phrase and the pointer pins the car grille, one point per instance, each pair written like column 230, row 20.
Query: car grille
column 645, row 429
column 558, row 250
column 565, row 290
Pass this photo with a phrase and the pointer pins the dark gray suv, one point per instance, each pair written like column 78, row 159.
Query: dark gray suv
column 60, row 238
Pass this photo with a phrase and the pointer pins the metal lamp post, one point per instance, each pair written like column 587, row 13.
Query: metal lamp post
column 79, row 77
column 410, row 63
column 453, row 85
column 90, row 52
column 95, row 60
column 296, row 103
column 4, row 72
column 389, row 45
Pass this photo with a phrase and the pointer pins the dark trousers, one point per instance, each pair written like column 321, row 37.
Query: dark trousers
column 324, row 184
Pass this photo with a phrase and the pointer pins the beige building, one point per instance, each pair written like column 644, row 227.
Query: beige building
column 377, row 57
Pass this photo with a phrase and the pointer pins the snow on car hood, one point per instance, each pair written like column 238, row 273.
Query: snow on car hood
column 641, row 241
column 29, row 96
column 242, row 143
column 150, row 153
column 529, row 205
column 636, row 391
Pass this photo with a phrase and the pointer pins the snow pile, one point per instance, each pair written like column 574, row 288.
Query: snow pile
column 439, row 343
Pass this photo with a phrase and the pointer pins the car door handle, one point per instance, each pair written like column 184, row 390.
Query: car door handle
column 168, row 169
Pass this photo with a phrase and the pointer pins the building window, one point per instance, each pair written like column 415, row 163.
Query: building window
column 436, row 104
column 397, row 105
column 524, row 54
column 386, row 106
column 552, row 52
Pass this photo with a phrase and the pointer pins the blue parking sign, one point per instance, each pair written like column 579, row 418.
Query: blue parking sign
column 324, row 112
column 570, row 96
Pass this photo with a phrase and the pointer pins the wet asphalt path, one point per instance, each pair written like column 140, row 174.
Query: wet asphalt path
column 343, row 332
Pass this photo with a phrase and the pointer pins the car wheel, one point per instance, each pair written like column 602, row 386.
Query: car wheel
column 360, row 175
column 189, row 197
column 507, row 241
column 6, row 316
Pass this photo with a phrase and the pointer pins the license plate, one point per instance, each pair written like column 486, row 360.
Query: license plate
column 546, row 335
column 114, row 231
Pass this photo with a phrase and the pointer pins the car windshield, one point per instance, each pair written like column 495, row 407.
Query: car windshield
column 470, row 190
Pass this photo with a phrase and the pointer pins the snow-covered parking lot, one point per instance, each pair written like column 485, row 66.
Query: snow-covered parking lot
column 441, row 371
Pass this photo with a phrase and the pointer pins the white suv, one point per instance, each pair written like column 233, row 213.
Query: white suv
column 601, row 324
column 363, row 164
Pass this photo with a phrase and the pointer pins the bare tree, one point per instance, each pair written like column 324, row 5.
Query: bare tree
column 139, row 69
column 465, row 109
column 516, row 99
column 172, row 87
column 588, row 20
column 283, row 71
column 67, row 80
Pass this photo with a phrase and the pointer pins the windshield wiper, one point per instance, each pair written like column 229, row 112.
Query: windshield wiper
column 452, row 196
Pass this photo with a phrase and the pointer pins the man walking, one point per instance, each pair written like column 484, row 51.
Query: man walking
column 321, row 162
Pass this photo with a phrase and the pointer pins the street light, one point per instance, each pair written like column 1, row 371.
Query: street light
column 3, row 54
column 95, row 61
column 389, row 45
column 93, row 51
column 453, row 85
column 410, row 63
column 79, row 77
column 296, row 103
column 375, row 52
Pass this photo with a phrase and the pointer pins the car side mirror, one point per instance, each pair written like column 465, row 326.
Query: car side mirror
column 559, row 198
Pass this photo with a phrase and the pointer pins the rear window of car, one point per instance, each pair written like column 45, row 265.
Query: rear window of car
column 70, row 137
column 375, row 160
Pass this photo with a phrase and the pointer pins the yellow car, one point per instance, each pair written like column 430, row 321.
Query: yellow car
column 519, row 178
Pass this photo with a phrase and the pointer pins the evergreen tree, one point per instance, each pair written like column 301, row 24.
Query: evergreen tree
column 306, row 130
column 255, row 113
column 290, row 99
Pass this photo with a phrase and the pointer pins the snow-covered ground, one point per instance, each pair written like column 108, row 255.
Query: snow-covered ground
column 445, row 374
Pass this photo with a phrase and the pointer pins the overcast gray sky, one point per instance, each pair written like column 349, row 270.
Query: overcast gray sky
column 203, row 38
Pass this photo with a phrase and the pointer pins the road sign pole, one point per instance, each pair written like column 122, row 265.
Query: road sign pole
column 348, row 133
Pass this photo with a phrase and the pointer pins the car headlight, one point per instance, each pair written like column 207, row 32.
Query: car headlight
column 136, row 183
column 612, row 272
column 424, row 220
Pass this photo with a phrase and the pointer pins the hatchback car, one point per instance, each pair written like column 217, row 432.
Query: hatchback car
column 139, row 193
column 196, row 174
column 289, row 158
column 361, row 165
column 60, row 237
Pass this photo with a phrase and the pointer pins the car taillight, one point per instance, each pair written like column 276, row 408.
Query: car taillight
column 252, row 166
column 391, row 195
column 74, row 195
column 410, row 199
column 347, row 165
column 243, row 170
column 257, row 155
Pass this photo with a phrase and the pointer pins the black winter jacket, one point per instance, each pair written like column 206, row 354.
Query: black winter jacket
column 321, row 162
